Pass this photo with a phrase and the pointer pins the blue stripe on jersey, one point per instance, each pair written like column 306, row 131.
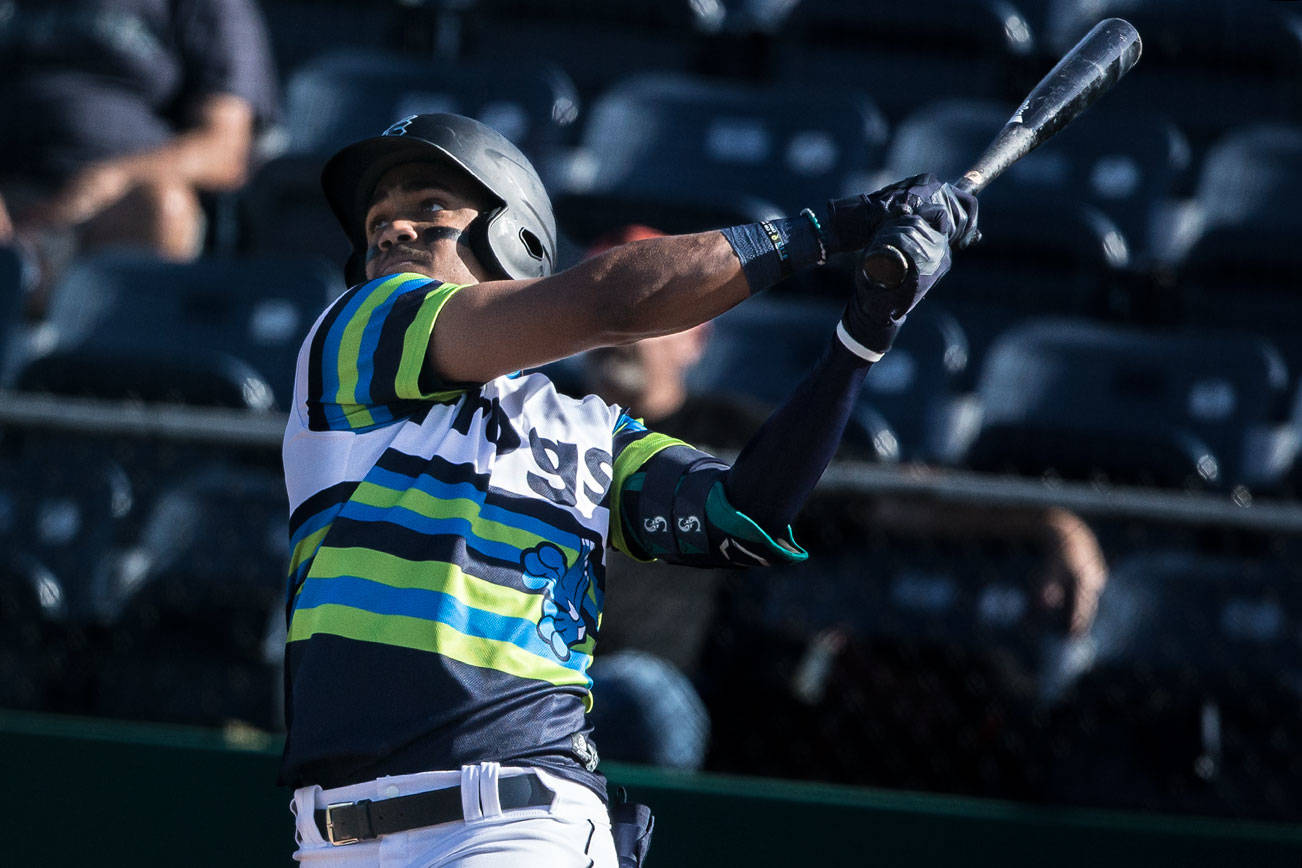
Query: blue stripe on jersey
column 468, row 491
column 430, row 605
column 371, row 340
column 414, row 521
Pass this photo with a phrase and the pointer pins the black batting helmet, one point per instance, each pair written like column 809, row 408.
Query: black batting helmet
column 515, row 237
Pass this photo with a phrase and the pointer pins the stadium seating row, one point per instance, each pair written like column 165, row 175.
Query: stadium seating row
column 1215, row 63
column 971, row 382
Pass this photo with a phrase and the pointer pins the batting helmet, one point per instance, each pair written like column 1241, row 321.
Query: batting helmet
column 515, row 237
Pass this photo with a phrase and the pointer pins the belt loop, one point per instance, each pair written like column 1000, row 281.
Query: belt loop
column 489, row 800
column 470, row 794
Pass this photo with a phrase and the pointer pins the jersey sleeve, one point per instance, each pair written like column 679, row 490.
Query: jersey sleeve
column 669, row 503
column 366, row 364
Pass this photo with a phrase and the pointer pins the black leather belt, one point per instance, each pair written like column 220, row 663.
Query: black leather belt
column 350, row 822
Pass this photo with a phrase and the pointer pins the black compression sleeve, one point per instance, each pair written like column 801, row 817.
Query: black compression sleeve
column 778, row 468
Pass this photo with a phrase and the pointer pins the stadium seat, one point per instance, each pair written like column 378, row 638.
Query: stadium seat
column 699, row 144
column 194, row 602
column 1240, row 265
column 1208, row 66
column 1184, row 696
column 594, row 40
column 911, row 407
column 1041, row 256
column 1133, row 178
column 903, row 52
column 33, row 647
column 11, row 308
column 67, row 510
column 341, row 97
column 1088, row 401
column 222, row 332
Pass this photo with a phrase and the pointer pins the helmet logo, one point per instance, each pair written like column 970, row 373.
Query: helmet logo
column 400, row 128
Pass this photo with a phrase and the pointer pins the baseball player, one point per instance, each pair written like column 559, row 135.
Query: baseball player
column 450, row 516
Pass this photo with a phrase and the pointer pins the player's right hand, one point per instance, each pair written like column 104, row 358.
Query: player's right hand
column 853, row 221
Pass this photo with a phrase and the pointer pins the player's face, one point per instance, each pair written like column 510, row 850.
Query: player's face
column 415, row 221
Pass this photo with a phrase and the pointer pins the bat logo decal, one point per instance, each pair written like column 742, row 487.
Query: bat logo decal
column 655, row 524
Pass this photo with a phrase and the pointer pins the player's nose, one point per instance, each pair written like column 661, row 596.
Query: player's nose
column 394, row 232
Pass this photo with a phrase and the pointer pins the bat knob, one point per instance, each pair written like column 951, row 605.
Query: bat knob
column 885, row 266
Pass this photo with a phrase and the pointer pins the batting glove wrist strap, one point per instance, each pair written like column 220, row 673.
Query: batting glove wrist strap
column 771, row 250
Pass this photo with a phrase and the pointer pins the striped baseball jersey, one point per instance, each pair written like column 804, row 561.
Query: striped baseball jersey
column 448, row 546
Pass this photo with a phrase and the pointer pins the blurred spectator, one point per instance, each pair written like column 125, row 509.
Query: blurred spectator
column 646, row 711
column 118, row 113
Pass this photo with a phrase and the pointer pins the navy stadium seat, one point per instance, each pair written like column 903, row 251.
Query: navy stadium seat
column 1184, row 696
column 1128, row 165
column 341, row 97
column 34, row 652
column 699, row 142
column 1085, row 400
column 222, row 332
column 911, row 408
column 11, row 307
column 70, row 511
column 1208, row 66
column 1041, row 256
column 194, row 603
column 595, row 40
column 1240, row 266
column 903, row 52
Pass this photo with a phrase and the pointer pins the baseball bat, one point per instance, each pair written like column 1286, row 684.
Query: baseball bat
column 1083, row 75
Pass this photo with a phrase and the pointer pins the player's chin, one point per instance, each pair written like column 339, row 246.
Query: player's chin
column 400, row 264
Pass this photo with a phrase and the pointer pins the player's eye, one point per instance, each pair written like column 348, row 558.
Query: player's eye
column 430, row 205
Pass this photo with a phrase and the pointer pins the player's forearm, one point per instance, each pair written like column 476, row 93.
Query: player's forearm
column 778, row 469
column 643, row 289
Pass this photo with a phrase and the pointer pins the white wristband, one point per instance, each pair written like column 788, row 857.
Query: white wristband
column 854, row 346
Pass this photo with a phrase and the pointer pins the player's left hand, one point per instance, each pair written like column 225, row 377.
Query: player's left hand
column 875, row 312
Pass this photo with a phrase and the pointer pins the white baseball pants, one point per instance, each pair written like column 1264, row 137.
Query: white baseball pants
column 573, row 833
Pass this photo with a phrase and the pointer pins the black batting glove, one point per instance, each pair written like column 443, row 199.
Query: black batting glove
column 852, row 221
column 875, row 312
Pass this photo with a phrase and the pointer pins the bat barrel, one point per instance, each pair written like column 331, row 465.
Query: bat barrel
column 1093, row 66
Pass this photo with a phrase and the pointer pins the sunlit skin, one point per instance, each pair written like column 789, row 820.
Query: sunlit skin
column 417, row 212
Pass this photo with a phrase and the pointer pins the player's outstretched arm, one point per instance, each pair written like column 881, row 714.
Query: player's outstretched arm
column 642, row 289
column 746, row 509
column 651, row 287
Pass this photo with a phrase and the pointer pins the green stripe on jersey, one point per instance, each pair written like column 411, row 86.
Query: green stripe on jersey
column 429, row 506
column 419, row 634
column 306, row 547
column 396, row 572
column 415, row 346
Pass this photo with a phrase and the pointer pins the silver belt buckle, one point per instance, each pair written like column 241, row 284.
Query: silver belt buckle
column 330, row 825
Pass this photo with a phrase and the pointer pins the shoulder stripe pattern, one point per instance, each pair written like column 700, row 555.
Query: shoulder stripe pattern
column 368, row 353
